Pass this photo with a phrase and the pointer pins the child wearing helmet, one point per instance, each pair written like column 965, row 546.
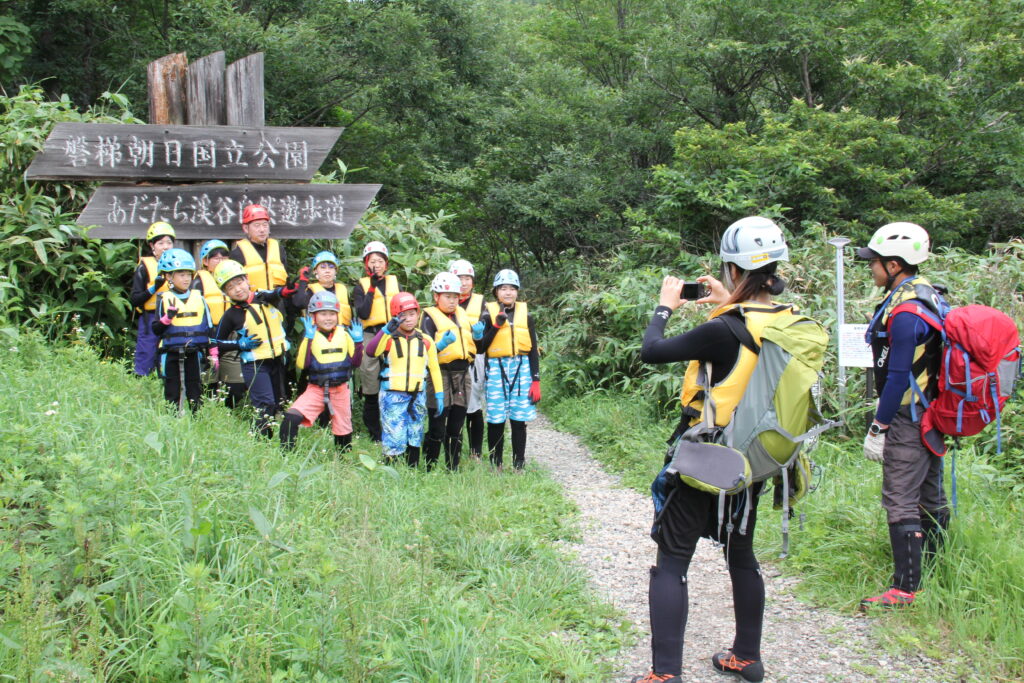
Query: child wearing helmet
column 265, row 262
column 473, row 304
column 183, row 324
column 324, row 272
column 328, row 354
column 513, row 368
column 407, row 355
column 371, row 299
column 228, row 369
column 448, row 325
column 147, row 284
column 261, row 339
column 750, row 252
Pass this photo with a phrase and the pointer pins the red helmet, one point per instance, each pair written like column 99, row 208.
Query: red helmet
column 254, row 212
column 404, row 301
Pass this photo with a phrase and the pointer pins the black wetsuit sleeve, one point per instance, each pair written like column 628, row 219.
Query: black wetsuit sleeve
column 158, row 327
column 490, row 331
column 709, row 342
column 428, row 326
column 236, row 255
column 534, row 353
column 232, row 321
column 140, row 287
column 361, row 302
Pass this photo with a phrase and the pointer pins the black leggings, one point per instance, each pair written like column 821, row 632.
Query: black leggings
column 446, row 430
column 475, row 427
column 688, row 516
column 496, row 443
column 193, row 374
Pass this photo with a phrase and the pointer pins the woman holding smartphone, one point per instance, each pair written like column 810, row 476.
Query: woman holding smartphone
column 750, row 251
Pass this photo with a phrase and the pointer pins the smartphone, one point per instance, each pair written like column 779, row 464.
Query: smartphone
column 693, row 290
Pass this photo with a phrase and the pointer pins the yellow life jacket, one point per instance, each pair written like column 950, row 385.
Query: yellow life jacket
column 510, row 340
column 728, row 392
column 340, row 291
column 190, row 327
column 267, row 323
column 263, row 275
column 150, row 263
column 925, row 361
column 474, row 308
column 463, row 347
column 408, row 359
column 216, row 300
column 330, row 362
column 380, row 312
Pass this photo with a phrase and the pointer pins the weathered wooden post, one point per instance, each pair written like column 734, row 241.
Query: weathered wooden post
column 166, row 78
column 243, row 82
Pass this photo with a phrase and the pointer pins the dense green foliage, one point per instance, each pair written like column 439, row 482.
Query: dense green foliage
column 135, row 545
column 549, row 125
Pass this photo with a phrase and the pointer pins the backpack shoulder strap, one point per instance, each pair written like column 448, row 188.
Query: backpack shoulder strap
column 919, row 309
column 734, row 321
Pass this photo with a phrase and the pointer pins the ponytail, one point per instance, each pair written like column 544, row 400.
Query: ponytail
column 753, row 282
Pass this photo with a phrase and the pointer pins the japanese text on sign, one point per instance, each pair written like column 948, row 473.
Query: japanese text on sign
column 201, row 209
column 132, row 151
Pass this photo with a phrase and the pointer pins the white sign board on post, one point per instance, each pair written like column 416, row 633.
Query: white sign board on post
column 854, row 352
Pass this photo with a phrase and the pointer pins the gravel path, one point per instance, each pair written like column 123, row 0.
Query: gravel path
column 800, row 643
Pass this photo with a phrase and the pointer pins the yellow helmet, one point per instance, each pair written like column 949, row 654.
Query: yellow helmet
column 160, row 229
column 226, row 271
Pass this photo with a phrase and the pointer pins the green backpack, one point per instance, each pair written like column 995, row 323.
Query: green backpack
column 775, row 417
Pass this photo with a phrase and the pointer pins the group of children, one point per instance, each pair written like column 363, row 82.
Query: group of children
column 459, row 361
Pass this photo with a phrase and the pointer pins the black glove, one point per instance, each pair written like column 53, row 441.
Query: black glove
column 500, row 319
column 171, row 312
column 159, row 281
column 264, row 295
column 377, row 282
column 304, row 274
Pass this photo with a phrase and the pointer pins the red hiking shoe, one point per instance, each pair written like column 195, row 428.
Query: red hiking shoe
column 894, row 598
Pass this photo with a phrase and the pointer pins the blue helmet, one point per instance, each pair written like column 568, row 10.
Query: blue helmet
column 176, row 259
column 506, row 277
column 209, row 246
column 324, row 257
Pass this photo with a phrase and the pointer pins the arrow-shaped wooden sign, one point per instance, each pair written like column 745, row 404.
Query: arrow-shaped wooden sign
column 101, row 151
column 208, row 211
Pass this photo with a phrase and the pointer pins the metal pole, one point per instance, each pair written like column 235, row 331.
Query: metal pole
column 839, row 243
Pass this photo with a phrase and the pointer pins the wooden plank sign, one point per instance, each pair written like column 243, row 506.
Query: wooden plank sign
column 95, row 151
column 208, row 211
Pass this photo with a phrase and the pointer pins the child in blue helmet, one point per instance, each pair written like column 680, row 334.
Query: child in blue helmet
column 321, row 276
column 513, row 368
column 183, row 325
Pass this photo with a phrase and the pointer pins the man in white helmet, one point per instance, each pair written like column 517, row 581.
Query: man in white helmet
column 906, row 351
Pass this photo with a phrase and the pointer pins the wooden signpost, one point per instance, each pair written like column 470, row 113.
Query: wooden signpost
column 246, row 160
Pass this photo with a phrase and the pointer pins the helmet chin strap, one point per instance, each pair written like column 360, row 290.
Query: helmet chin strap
column 727, row 280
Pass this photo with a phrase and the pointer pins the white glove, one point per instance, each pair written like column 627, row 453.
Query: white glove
column 874, row 446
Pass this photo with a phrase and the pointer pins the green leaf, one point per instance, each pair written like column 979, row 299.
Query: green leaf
column 368, row 462
column 153, row 441
column 261, row 523
column 277, row 479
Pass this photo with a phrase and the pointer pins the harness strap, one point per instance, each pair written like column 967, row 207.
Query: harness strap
column 785, row 513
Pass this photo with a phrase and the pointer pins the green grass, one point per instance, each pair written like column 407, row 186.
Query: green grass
column 971, row 613
column 135, row 545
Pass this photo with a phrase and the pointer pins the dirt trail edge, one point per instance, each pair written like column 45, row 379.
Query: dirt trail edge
column 800, row 643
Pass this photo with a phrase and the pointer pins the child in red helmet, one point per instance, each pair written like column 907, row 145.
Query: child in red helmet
column 407, row 355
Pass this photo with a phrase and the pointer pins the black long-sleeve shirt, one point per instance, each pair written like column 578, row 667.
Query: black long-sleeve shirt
column 140, row 286
column 233, row 321
column 490, row 331
column 708, row 342
column 362, row 302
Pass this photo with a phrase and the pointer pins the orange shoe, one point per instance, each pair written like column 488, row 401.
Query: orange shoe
column 894, row 598
column 652, row 677
column 751, row 670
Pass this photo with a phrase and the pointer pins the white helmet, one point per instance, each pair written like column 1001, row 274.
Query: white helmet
column 506, row 277
column 908, row 241
column 446, row 283
column 375, row 248
column 753, row 242
column 462, row 267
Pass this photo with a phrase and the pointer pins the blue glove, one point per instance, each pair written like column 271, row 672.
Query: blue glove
column 439, row 397
column 246, row 342
column 392, row 326
column 355, row 331
column 478, row 330
column 446, row 339
column 308, row 327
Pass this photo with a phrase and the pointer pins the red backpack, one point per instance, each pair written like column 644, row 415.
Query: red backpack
column 981, row 360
